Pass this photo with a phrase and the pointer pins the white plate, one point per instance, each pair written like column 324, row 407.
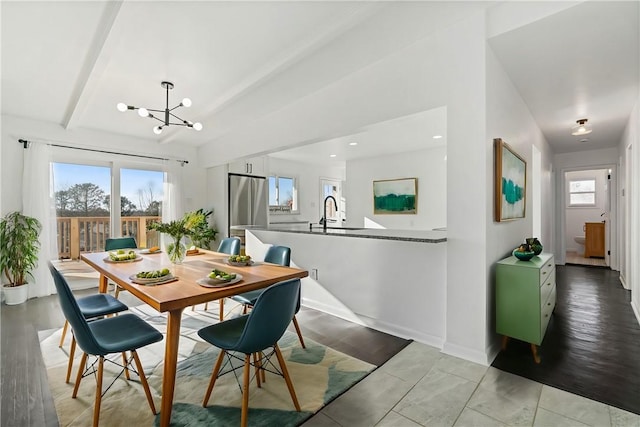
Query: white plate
column 216, row 283
column 137, row 258
column 146, row 252
column 153, row 281
column 238, row 264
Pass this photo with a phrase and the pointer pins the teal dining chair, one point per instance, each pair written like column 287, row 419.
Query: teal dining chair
column 115, row 243
column 280, row 255
column 92, row 307
column 252, row 334
column 231, row 246
column 101, row 337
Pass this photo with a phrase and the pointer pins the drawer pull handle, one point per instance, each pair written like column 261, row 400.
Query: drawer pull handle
column 548, row 284
column 544, row 272
column 548, row 303
column 548, row 265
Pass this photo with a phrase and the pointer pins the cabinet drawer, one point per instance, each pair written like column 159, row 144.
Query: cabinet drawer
column 545, row 312
column 547, row 286
column 545, row 270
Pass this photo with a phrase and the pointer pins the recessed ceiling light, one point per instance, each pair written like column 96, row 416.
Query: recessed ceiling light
column 332, row 155
column 437, row 136
column 353, row 143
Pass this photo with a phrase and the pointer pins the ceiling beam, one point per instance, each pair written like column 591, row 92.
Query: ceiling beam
column 281, row 62
column 94, row 65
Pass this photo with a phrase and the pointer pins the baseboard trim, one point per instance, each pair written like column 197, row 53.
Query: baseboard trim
column 623, row 281
column 467, row 353
column 635, row 311
column 378, row 325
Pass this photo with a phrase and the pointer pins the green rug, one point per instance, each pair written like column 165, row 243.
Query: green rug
column 319, row 375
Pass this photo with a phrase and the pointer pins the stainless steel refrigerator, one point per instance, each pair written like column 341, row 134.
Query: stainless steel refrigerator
column 248, row 203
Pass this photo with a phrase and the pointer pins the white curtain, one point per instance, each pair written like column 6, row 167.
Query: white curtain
column 37, row 202
column 172, row 208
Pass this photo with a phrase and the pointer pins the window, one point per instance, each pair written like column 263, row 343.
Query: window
column 87, row 208
column 283, row 195
column 582, row 192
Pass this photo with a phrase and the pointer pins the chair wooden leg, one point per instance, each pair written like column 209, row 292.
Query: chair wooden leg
column 83, row 362
column 96, row 409
column 287, row 378
column 256, row 365
column 126, row 365
column 214, row 376
column 245, row 391
column 64, row 332
column 143, row 380
column 245, row 309
column 206, row 306
column 72, row 352
column 193, row 308
column 263, row 372
column 295, row 324
column 117, row 292
column 221, row 312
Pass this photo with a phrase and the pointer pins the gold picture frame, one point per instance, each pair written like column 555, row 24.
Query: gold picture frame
column 510, row 183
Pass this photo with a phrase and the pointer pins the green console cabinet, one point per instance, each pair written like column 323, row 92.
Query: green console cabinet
column 525, row 298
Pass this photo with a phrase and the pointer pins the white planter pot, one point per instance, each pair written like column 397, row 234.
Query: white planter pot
column 14, row 295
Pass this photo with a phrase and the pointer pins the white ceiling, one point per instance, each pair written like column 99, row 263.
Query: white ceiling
column 71, row 62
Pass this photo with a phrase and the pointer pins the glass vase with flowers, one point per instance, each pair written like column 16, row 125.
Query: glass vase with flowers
column 190, row 225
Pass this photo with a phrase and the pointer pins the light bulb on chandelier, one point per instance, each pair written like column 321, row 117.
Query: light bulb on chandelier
column 166, row 112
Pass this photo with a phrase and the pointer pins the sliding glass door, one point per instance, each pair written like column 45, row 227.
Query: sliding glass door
column 94, row 202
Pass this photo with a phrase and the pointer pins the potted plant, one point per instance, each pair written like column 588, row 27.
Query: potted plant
column 202, row 234
column 18, row 254
column 193, row 225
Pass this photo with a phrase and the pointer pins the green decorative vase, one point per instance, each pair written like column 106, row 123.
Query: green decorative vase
column 535, row 245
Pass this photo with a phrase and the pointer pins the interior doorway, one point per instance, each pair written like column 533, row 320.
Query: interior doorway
column 587, row 216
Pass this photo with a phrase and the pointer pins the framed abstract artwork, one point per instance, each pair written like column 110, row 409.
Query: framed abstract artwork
column 395, row 196
column 510, row 182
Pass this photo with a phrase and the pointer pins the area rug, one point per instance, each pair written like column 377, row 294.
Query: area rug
column 319, row 375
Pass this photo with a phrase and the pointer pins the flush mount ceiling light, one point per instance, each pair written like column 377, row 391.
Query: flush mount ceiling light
column 167, row 112
column 582, row 128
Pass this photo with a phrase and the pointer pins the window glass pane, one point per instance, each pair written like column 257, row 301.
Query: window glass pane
column 582, row 199
column 285, row 186
column 273, row 195
column 82, row 208
column 141, row 195
column 584, row 185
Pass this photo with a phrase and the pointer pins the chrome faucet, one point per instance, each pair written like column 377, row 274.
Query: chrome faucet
column 324, row 218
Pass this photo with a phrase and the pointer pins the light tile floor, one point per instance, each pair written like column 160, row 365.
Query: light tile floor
column 422, row 387
column 573, row 258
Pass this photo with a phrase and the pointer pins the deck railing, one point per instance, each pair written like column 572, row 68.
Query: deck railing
column 88, row 234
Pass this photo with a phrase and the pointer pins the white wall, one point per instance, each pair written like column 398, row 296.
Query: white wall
column 429, row 166
column 630, row 203
column 577, row 216
column 509, row 118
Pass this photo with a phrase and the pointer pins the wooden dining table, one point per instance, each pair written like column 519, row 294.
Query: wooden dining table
column 175, row 296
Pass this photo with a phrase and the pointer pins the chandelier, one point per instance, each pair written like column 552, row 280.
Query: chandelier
column 167, row 113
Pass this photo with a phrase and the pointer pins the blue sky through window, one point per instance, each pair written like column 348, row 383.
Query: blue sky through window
column 67, row 175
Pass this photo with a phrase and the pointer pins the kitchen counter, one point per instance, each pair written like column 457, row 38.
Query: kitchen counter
column 421, row 236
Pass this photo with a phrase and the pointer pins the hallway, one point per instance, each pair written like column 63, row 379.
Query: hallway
column 592, row 343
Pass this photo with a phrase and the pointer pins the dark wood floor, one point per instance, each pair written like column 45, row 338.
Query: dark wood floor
column 24, row 389
column 592, row 344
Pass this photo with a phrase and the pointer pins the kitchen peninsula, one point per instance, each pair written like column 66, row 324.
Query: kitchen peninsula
column 390, row 280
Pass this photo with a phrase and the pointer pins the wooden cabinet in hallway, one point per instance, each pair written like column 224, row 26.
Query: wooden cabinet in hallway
column 594, row 239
